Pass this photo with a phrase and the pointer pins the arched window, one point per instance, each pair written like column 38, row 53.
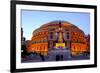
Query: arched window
column 51, row 35
column 67, row 35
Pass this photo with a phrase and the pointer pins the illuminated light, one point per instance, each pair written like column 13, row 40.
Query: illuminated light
column 60, row 45
column 77, row 39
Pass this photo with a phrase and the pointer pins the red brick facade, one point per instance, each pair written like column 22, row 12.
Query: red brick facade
column 48, row 35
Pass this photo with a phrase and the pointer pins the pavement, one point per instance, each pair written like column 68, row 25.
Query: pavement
column 56, row 55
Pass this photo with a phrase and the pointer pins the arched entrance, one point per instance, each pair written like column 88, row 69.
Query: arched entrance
column 59, row 57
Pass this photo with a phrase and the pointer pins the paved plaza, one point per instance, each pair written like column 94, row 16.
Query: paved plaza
column 54, row 55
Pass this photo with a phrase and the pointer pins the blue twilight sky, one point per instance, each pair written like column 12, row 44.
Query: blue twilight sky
column 34, row 19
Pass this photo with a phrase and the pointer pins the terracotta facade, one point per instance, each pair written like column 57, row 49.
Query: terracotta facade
column 58, row 35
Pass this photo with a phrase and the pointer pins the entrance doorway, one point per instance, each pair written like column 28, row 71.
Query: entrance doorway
column 59, row 57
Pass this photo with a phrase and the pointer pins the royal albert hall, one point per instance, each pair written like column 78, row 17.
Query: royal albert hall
column 59, row 37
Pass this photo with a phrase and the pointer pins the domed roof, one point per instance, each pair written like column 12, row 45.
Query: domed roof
column 57, row 23
column 63, row 24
